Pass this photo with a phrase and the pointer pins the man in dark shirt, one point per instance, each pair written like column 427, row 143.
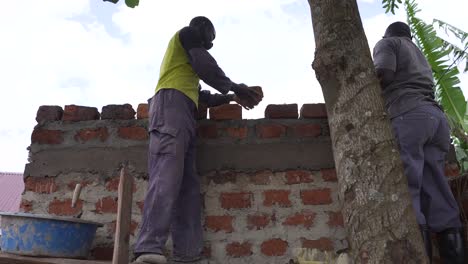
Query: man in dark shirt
column 172, row 204
column 423, row 135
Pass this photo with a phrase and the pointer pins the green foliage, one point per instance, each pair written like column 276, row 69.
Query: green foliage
column 458, row 54
column 129, row 3
column 132, row 3
column 448, row 93
column 390, row 5
column 461, row 150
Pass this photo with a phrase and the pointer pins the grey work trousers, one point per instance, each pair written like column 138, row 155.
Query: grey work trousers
column 173, row 203
column 423, row 136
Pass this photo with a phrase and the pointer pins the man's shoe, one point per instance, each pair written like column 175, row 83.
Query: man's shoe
column 151, row 259
column 451, row 246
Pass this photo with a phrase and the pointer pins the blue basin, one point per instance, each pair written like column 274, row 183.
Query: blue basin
column 46, row 236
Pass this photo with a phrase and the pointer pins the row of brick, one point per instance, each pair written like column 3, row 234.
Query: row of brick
column 48, row 185
column 264, row 177
column 264, row 131
column 278, row 197
column 75, row 113
column 260, row 221
column 56, row 137
column 228, row 201
column 213, row 223
column 206, row 131
column 274, row 247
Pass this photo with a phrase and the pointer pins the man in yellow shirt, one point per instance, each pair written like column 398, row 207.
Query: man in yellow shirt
column 172, row 204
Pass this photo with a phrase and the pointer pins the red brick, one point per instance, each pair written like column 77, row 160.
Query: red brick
column 106, row 205
column 258, row 222
column 313, row 111
column 335, row 219
column 103, row 252
column 47, row 113
column 237, row 132
column 237, row 250
column 258, row 90
column 112, row 184
column 305, row 219
column 270, row 130
column 206, row 251
column 142, row 111
column 118, row 112
column 208, row 131
column 133, row 133
column 298, row 176
column 274, row 247
column 133, row 226
column 80, row 113
column 307, row 130
column 26, row 206
column 226, row 112
column 92, row 134
column 452, row 170
column 141, row 205
column 323, row 244
column 277, row 197
column 261, row 177
column 316, row 197
column 202, row 111
column 63, row 207
column 329, row 175
column 281, row 111
column 40, row 184
column 236, row 200
column 223, row 177
column 46, row 136
column 217, row 223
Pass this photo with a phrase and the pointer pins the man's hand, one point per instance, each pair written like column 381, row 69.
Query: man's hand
column 248, row 97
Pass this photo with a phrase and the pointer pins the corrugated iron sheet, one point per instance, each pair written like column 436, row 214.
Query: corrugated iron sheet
column 11, row 188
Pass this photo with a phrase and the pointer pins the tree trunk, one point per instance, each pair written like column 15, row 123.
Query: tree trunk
column 377, row 207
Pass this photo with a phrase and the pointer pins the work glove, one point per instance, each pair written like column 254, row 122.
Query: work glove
column 247, row 97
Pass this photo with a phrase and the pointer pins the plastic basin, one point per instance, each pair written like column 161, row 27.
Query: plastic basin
column 46, row 236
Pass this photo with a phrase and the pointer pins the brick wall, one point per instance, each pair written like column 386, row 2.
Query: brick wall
column 268, row 185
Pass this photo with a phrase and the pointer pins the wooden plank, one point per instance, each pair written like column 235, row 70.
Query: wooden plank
column 6, row 258
column 124, row 218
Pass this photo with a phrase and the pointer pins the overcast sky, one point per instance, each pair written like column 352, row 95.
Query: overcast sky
column 91, row 53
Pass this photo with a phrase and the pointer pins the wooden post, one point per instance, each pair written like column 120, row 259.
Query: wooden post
column 124, row 218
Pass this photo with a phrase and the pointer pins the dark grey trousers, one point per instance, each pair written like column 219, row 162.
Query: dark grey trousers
column 172, row 204
column 424, row 138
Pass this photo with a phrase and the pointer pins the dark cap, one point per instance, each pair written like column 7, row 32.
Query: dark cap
column 398, row 29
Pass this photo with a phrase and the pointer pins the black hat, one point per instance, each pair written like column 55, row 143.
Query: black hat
column 206, row 30
column 398, row 29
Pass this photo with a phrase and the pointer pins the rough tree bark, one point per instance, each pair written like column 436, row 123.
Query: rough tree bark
column 377, row 209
